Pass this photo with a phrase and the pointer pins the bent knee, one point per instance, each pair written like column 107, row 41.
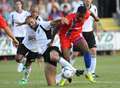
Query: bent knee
column 18, row 58
column 54, row 55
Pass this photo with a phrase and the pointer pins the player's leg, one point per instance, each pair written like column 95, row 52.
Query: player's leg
column 50, row 68
column 20, row 56
column 26, row 72
column 93, row 61
column 50, row 74
column 90, row 38
column 22, row 62
column 53, row 57
column 82, row 45
column 31, row 56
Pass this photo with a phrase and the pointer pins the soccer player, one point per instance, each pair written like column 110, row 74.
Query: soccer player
column 16, row 17
column 34, row 12
column 4, row 25
column 71, row 33
column 35, row 44
column 88, row 29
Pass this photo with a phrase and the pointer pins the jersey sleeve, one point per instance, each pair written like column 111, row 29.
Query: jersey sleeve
column 3, row 23
column 45, row 24
column 95, row 11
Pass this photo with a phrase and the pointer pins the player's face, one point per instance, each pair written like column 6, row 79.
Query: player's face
column 80, row 16
column 18, row 5
column 31, row 22
column 88, row 2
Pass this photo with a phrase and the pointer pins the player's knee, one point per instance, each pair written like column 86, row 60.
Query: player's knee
column 86, row 50
column 54, row 55
column 75, row 54
column 93, row 52
column 18, row 58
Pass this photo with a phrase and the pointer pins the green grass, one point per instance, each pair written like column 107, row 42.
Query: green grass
column 108, row 68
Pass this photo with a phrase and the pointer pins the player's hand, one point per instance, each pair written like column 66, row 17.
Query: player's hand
column 64, row 20
column 15, row 42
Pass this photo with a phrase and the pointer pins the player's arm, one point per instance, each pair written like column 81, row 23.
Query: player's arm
column 10, row 34
column 95, row 17
column 7, row 29
column 61, row 21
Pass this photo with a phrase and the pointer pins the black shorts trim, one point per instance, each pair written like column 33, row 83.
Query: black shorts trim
column 46, row 55
column 20, row 39
column 27, row 53
column 90, row 38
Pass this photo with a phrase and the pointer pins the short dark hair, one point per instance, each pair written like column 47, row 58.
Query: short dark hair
column 20, row 2
column 82, row 9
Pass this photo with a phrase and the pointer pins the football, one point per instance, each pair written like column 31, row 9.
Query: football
column 67, row 72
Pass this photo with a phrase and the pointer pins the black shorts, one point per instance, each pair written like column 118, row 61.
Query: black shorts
column 27, row 53
column 46, row 55
column 90, row 38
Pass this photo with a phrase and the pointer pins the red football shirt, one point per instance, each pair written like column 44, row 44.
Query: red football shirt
column 65, row 41
column 3, row 23
column 76, row 30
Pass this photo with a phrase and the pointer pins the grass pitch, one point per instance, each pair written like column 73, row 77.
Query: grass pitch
column 108, row 69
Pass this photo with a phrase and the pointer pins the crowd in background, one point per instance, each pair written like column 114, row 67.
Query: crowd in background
column 48, row 9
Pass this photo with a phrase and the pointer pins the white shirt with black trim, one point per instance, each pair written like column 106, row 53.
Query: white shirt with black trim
column 16, row 17
column 37, row 41
column 89, row 23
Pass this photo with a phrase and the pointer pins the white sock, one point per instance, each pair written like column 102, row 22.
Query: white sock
column 58, row 78
column 27, row 72
column 93, row 64
column 65, row 63
column 72, row 60
column 23, row 61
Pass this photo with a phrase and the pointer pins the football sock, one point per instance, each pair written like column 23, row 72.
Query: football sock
column 65, row 63
column 87, row 60
column 93, row 65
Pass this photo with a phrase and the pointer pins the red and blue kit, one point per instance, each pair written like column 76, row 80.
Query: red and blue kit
column 76, row 30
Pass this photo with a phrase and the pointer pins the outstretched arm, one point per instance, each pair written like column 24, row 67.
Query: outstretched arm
column 10, row 34
column 58, row 22
column 95, row 17
column 7, row 29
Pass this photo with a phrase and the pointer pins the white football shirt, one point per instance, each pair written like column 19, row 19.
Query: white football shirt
column 15, row 17
column 89, row 23
column 37, row 41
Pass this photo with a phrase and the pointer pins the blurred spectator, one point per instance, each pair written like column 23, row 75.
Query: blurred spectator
column 42, row 9
column 65, row 10
column 76, row 4
column 16, row 17
column 29, row 4
column 49, row 5
column 55, row 13
column 65, row 6
column 6, row 8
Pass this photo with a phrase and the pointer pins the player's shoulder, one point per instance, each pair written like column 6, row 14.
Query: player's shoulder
column 13, row 12
column 70, row 15
column 39, row 18
column 93, row 6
